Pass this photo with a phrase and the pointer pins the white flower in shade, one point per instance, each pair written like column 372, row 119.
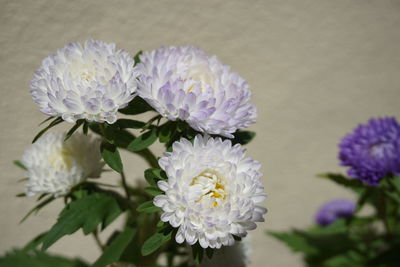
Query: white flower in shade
column 237, row 255
column 90, row 81
column 185, row 83
column 55, row 165
column 211, row 192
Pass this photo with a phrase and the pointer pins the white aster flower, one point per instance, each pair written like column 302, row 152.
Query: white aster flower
column 90, row 81
column 185, row 83
column 211, row 192
column 237, row 255
column 54, row 165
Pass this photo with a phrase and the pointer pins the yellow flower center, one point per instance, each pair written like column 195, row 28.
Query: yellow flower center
column 212, row 186
column 62, row 158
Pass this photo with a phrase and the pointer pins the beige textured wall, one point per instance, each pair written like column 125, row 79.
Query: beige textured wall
column 317, row 68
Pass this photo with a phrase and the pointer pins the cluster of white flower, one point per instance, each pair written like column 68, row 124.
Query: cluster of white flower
column 55, row 165
column 212, row 190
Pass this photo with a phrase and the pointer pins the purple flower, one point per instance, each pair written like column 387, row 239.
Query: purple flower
column 333, row 210
column 372, row 150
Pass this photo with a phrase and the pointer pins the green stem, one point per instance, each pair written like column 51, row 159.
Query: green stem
column 149, row 157
column 382, row 211
column 97, row 239
column 125, row 185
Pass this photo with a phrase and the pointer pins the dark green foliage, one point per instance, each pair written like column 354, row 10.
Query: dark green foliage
column 357, row 241
column 56, row 121
column 243, row 137
column 136, row 106
column 143, row 141
column 87, row 213
column 111, row 156
column 35, row 258
column 73, row 129
column 148, row 207
column 115, row 249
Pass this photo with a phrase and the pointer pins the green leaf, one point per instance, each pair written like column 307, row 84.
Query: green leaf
column 198, row 253
column 37, row 208
column 46, row 120
column 86, row 213
column 143, row 141
column 22, row 258
column 243, row 137
column 293, row 240
column 148, row 207
column 153, row 191
column 111, row 156
column 165, row 132
column 56, row 121
column 114, row 251
column 153, row 175
column 19, row 164
column 339, row 179
column 154, row 242
column 131, row 124
column 85, row 128
column 73, row 129
column 34, row 243
column 209, row 253
column 136, row 58
column 136, row 106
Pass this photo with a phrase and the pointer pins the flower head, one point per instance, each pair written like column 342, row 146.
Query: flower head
column 211, row 192
column 333, row 210
column 372, row 150
column 90, row 81
column 55, row 165
column 185, row 83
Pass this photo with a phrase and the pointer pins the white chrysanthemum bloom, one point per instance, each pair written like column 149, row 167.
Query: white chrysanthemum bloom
column 54, row 166
column 211, row 192
column 90, row 81
column 238, row 255
column 185, row 83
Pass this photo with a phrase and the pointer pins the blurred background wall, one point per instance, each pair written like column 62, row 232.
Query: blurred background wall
column 316, row 68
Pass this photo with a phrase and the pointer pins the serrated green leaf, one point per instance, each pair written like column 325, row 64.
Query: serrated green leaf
column 56, row 121
column 86, row 213
column 22, row 258
column 136, row 106
column 143, row 141
column 73, row 129
column 153, row 191
column 111, row 156
column 148, row 207
column 19, row 164
column 243, row 137
column 113, row 252
column 34, row 243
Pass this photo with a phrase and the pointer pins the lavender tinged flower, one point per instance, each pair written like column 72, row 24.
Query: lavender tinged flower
column 372, row 150
column 90, row 81
column 333, row 210
column 185, row 83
